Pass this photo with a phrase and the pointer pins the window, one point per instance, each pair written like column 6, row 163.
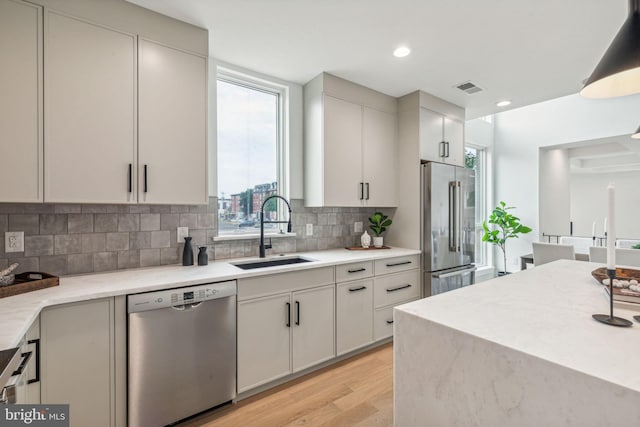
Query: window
column 249, row 149
column 475, row 158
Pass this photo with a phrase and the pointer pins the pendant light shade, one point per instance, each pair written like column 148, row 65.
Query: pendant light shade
column 637, row 134
column 618, row 72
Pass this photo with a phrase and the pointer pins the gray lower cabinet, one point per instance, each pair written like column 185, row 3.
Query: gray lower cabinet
column 79, row 353
column 354, row 311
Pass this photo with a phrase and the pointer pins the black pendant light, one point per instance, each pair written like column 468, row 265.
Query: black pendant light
column 618, row 72
column 637, row 134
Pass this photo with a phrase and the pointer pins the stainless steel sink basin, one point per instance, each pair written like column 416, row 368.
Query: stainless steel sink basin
column 270, row 262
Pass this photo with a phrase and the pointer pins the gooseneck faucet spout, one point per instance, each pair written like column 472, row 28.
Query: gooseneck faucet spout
column 263, row 247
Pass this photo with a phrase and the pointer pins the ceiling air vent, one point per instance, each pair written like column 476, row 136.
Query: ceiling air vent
column 469, row 88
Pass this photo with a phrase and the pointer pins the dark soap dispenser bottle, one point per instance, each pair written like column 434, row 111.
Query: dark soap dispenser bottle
column 187, row 252
column 203, row 258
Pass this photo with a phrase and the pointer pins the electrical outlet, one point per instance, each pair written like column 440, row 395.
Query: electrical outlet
column 309, row 229
column 182, row 233
column 14, row 241
column 357, row 227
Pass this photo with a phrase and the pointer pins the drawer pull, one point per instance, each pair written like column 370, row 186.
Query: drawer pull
column 399, row 288
column 389, row 322
column 358, row 270
column 399, row 263
column 359, row 288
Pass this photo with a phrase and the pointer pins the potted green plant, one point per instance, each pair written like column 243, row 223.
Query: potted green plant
column 379, row 223
column 508, row 226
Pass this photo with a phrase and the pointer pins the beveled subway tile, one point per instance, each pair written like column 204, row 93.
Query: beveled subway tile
column 160, row 239
column 128, row 259
column 149, row 257
column 53, row 224
column 104, row 223
column 128, row 222
column 105, row 261
column 94, row 242
column 149, row 222
column 80, row 223
column 140, row 240
column 29, row 223
column 38, row 245
column 79, row 263
column 117, row 241
column 56, row 265
column 67, row 244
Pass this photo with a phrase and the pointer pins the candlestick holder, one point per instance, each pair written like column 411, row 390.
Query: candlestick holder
column 610, row 319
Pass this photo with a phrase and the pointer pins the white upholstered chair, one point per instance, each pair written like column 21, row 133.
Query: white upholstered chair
column 624, row 257
column 548, row 252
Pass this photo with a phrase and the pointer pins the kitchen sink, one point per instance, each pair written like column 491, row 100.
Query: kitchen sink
column 271, row 262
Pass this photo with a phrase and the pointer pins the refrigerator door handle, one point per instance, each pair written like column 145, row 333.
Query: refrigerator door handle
column 458, row 217
column 452, row 219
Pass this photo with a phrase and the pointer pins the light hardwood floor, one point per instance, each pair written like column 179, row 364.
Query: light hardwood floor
column 355, row 392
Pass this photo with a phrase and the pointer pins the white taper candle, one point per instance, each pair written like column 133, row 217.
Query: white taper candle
column 611, row 230
column 593, row 229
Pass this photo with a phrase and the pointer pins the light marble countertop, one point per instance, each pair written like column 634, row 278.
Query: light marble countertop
column 17, row 313
column 544, row 312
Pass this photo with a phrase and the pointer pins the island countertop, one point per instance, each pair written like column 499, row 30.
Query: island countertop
column 530, row 332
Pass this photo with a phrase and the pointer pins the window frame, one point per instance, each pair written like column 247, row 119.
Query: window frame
column 484, row 258
column 240, row 78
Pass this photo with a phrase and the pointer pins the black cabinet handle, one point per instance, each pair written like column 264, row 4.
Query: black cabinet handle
column 399, row 288
column 359, row 288
column 446, row 146
column 298, row 313
column 130, row 178
column 399, row 263
column 357, row 270
column 361, row 190
column 367, row 185
column 145, row 179
column 442, row 149
column 389, row 322
column 288, row 315
column 25, row 359
column 37, row 343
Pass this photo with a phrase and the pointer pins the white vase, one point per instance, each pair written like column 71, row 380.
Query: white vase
column 378, row 241
column 365, row 239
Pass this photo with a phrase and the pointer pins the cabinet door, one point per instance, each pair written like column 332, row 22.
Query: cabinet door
column 78, row 360
column 342, row 153
column 21, row 102
column 431, row 136
column 90, row 112
column 379, row 152
column 354, row 314
column 454, row 135
column 264, row 340
column 172, row 125
column 313, row 317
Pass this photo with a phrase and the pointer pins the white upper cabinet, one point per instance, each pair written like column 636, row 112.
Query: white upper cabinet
column 379, row 151
column 21, row 102
column 441, row 138
column 90, row 112
column 172, row 125
column 350, row 144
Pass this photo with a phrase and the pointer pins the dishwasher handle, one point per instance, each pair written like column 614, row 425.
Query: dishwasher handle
column 187, row 307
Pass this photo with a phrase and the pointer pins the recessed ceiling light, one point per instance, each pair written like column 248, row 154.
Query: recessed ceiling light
column 401, row 52
column 503, row 103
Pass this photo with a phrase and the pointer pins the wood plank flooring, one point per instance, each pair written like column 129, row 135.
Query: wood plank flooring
column 357, row 392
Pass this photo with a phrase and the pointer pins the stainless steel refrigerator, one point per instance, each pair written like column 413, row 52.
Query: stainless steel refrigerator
column 448, row 227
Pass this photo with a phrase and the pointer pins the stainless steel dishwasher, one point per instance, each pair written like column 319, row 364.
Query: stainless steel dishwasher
column 182, row 352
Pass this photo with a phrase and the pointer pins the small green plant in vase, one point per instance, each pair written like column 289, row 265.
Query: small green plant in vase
column 379, row 223
column 508, row 227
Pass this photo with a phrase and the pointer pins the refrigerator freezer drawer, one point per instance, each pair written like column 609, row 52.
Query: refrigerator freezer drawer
column 395, row 288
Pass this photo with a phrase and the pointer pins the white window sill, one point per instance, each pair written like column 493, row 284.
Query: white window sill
column 232, row 237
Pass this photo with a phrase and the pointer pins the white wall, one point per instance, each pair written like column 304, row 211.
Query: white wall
column 589, row 203
column 520, row 133
column 554, row 174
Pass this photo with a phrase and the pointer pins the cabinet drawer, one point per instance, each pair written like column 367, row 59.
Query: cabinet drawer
column 394, row 288
column 353, row 271
column 270, row 284
column 395, row 265
column 383, row 322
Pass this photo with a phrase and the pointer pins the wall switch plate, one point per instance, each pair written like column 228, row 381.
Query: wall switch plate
column 309, row 230
column 182, row 233
column 357, row 227
column 14, row 241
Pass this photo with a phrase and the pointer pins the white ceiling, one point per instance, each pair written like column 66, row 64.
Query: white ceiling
column 605, row 155
column 526, row 51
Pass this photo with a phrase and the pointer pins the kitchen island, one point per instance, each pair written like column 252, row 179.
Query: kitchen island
column 520, row 350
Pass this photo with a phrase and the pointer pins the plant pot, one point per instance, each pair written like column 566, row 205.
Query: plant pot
column 378, row 241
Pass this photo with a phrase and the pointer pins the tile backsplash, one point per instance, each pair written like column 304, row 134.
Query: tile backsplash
column 65, row 239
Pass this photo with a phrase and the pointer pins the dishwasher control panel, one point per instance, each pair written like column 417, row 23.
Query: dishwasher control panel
column 180, row 296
